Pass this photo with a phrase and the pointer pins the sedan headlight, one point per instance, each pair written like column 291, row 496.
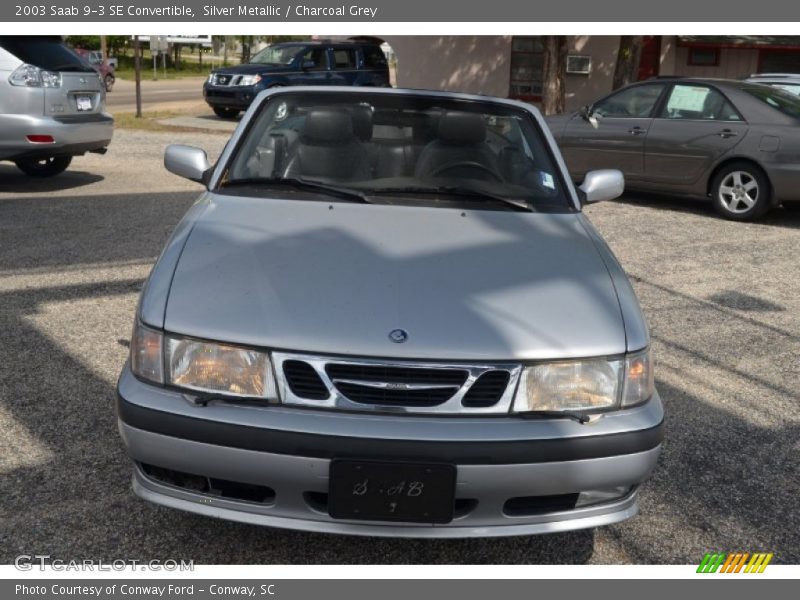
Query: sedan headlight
column 202, row 366
column 587, row 385
column 249, row 80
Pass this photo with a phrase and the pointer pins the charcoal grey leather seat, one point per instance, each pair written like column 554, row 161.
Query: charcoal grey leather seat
column 460, row 142
column 329, row 148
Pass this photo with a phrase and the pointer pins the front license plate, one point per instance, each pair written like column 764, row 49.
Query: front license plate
column 84, row 102
column 389, row 491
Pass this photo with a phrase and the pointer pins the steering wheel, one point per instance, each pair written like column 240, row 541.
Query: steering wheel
column 469, row 164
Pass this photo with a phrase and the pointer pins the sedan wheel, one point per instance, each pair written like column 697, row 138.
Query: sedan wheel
column 741, row 192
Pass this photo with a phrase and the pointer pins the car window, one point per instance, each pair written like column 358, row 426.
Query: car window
column 374, row 57
column 45, row 53
column 698, row 102
column 317, row 55
column 412, row 149
column 276, row 55
column 793, row 88
column 637, row 101
column 779, row 99
column 344, row 58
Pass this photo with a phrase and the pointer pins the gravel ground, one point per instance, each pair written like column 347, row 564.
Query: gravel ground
column 722, row 300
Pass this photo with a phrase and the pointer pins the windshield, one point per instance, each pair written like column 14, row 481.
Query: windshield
column 45, row 53
column 276, row 55
column 400, row 149
column 786, row 102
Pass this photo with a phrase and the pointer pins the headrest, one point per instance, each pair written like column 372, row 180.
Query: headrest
column 462, row 128
column 328, row 126
column 362, row 122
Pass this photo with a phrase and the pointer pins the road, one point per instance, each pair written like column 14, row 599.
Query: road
column 155, row 94
column 722, row 299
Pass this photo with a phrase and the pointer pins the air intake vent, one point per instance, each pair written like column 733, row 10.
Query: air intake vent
column 386, row 374
column 487, row 390
column 304, row 381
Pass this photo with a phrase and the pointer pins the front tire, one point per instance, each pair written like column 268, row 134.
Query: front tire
column 109, row 82
column 47, row 166
column 225, row 113
column 741, row 192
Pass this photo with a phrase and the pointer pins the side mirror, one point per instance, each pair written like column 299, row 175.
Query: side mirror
column 187, row 161
column 587, row 114
column 604, row 184
column 309, row 64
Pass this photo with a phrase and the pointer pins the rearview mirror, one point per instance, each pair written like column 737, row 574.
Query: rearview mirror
column 187, row 161
column 604, row 184
column 587, row 114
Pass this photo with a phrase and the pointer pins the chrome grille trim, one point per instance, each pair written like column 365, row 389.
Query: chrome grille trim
column 336, row 400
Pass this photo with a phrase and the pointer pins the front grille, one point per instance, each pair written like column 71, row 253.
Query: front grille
column 390, row 397
column 304, row 381
column 397, row 386
column 386, row 385
column 487, row 390
column 387, row 374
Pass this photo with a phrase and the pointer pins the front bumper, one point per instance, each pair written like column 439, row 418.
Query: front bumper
column 73, row 135
column 290, row 450
column 229, row 96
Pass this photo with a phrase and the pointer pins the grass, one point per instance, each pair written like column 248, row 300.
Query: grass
column 190, row 67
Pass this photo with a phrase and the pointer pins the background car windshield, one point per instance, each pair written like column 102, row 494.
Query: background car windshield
column 416, row 148
column 779, row 99
column 49, row 54
column 276, row 55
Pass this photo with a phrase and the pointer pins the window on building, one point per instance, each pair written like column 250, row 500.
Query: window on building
column 527, row 62
column 703, row 57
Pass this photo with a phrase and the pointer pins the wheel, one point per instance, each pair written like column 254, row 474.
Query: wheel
column 109, row 82
column 225, row 113
column 741, row 192
column 44, row 166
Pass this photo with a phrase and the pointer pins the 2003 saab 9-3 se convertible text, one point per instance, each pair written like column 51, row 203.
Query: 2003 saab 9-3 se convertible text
column 388, row 316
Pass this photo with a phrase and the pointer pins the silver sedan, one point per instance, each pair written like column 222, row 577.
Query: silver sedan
column 387, row 315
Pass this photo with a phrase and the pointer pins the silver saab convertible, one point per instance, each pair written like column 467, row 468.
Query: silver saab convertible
column 387, row 315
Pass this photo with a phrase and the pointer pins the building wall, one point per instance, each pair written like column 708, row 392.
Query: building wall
column 456, row 63
column 482, row 64
column 734, row 63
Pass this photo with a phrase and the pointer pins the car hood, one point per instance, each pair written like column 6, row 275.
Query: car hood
column 336, row 278
column 251, row 68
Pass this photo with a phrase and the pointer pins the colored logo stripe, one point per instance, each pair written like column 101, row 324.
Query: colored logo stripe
column 735, row 562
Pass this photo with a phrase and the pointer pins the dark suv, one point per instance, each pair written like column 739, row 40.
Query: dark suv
column 231, row 89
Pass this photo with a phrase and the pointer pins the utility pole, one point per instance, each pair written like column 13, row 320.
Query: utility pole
column 103, row 48
column 137, row 62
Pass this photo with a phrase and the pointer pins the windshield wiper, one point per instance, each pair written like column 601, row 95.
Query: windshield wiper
column 303, row 184
column 454, row 190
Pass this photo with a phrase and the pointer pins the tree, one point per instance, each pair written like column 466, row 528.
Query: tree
column 628, row 56
column 554, row 93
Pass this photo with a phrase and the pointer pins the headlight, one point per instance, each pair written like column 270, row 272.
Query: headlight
column 31, row 76
column 249, row 79
column 147, row 358
column 585, row 385
column 219, row 368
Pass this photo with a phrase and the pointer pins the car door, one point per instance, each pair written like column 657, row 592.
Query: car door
column 694, row 127
column 345, row 66
column 623, row 120
column 314, row 67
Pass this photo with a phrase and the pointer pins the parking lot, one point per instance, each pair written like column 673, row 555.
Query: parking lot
column 722, row 299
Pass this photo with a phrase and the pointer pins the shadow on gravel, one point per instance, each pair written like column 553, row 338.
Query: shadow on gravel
column 778, row 216
column 12, row 180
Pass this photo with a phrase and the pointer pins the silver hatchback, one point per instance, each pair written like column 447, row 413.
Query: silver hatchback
column 387, row 315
